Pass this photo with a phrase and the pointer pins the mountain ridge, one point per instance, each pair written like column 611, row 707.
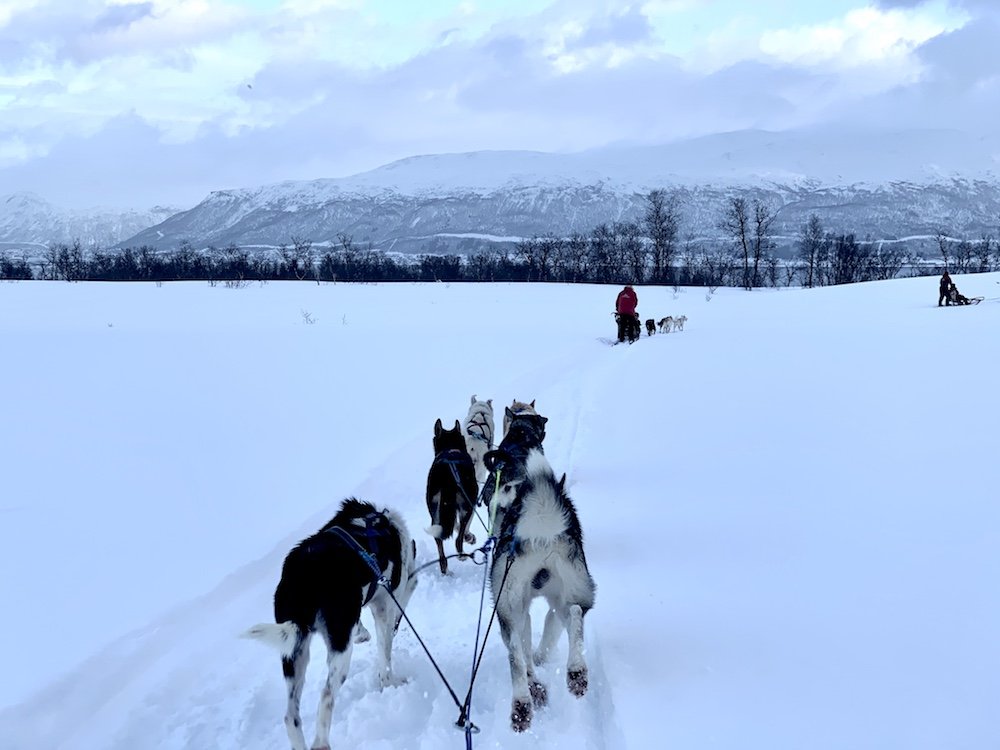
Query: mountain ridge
column 884, row 185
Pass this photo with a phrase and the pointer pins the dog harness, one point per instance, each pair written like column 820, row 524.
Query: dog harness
column 485, row 434
column 376, row 525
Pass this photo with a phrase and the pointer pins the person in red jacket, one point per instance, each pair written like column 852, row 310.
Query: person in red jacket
column 625, row 314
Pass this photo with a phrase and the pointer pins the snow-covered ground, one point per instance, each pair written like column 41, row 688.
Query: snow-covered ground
column 789, row 509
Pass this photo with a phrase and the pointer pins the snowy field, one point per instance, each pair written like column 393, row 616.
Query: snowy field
column 790, row 509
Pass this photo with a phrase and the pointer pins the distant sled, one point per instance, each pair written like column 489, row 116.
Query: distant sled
column 972, row 301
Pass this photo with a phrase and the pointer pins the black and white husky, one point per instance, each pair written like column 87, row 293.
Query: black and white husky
column 451, row 491
column 539, row 553
column 478, row 429
column 516, row 407
column 524, row 432
column 324, row 584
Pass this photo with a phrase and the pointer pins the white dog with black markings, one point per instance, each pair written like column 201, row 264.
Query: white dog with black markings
column 539, row 553
column 478, row 432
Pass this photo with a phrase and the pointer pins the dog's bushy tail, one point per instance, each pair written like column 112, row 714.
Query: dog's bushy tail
column 283, row 636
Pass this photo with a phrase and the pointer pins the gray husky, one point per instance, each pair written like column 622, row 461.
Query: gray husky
column 539, row 553
column 478, row 430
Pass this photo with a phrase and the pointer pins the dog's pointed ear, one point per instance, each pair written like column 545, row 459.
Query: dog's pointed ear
column 508, row 413
column 544, row 419
column 513, row 402
column 562, row 482
column 437, row 428
column 532, row 403
column 489, row 401
column 473, row 399
column 457, row 426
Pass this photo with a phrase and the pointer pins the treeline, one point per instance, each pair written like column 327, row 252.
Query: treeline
column 649, row 250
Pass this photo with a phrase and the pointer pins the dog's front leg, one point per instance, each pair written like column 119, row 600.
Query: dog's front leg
column 338, row 662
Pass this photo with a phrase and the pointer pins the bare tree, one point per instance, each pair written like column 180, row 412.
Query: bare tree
column 813, row 246
column 886, row 261
column 942, row 240
column 632, row 250
column 964, row 253
column 736, row 223
column 661, row 222
column 984, row 253
column 763, row 217
column 848, row 260
column 601, row 254
column 575, row 260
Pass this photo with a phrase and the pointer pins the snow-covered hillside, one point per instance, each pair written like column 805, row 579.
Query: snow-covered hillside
column 30, row 223
column 883, row 185
column 788, row 509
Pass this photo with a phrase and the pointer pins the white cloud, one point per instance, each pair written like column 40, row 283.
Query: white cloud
column 862, row 37
column 205, row 83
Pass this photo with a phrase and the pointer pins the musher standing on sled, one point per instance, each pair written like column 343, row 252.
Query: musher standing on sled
column 628, row 321
column 944, row 289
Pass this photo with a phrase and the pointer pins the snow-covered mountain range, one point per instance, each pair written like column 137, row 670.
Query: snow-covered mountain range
column 30, row 222
column 884, row 185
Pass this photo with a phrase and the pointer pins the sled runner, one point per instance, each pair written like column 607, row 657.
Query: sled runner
column 968, row 301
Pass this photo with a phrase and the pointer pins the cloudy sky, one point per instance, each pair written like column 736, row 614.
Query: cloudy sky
column 124, row 103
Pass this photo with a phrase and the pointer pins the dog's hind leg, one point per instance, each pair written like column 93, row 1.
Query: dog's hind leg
column 550, row 634
column 576, row 668
column 521, row 704
column 539, row 693
column 384, row 612
column 294, row 668
column 442, row 558
column 463, row 534
column 338, row 660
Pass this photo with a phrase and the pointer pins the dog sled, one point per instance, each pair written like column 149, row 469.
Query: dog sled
column 955, row 297
column 629, row 328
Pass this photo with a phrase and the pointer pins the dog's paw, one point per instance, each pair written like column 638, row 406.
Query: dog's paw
column 392, row 681
column 539, row 658
column 539, row 694
column 576, row 681
column 361, row 634
column 470, row 538
column 520, row 715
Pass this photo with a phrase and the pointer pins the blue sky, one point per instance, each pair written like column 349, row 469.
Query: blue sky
column 212, row 94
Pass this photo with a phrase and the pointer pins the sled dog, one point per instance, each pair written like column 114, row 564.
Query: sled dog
column 665, row 324
column 324, row 585
column 527, row 431
column 650, row 326
column 451, row 490
column 679, row 322
column 478, row 430
column 516, row 407
column 539, row 553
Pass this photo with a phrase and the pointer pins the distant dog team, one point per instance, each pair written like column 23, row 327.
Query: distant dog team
column 668, row 323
